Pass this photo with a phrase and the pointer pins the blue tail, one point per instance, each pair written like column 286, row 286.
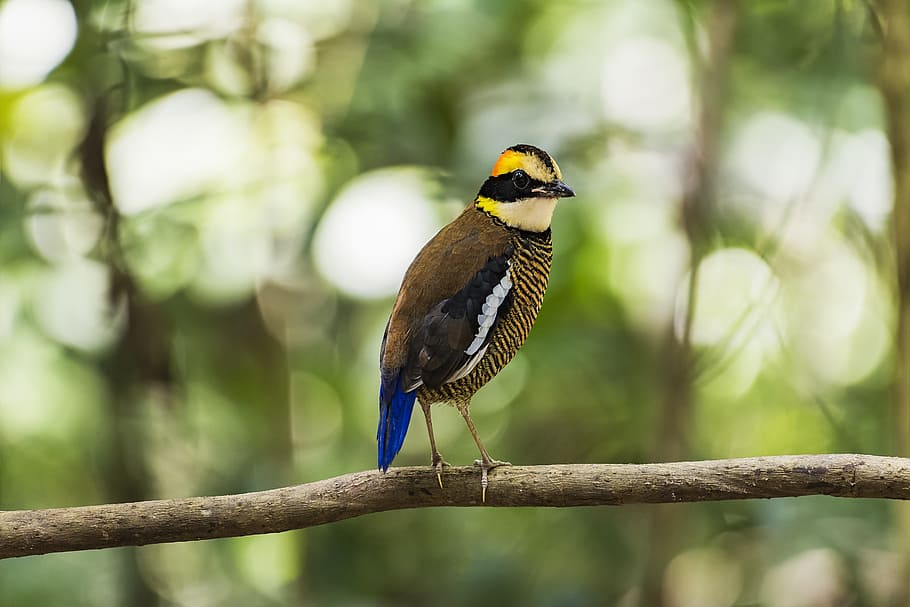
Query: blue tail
column 394, row 416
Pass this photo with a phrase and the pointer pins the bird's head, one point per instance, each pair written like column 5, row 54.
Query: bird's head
column 523, row 189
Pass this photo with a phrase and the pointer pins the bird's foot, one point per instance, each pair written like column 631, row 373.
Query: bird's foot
column 485, row 467
column 439, row 464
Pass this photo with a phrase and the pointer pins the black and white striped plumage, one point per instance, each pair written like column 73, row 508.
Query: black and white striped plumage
column 454, row 335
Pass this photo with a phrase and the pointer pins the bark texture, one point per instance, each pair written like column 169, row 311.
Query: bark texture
column 28, row 532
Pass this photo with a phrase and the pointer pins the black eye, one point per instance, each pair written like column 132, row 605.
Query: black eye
column 520, row 179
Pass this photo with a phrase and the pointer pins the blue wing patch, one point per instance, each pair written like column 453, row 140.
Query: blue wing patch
column 395, row 407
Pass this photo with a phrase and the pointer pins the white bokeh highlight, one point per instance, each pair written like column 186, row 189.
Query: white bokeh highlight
column 172, row 149
column 62, row 224
column 236, row 249
column 645, row 85
column 735, row 315
column 373, row 230
column 44, row 127
column 859, row 172
column 73, row 305
column 636, row 220
column 776, row 155
column 839, row 316
column 35, row 36
column 291, row 54
column 190, row 21
column 735, row 291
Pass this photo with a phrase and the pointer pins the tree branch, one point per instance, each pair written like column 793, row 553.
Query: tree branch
column 27, row 532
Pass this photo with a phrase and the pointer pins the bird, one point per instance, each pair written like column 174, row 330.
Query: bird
column 468, row 301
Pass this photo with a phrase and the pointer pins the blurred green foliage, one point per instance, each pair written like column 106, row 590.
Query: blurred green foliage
column 205, row 210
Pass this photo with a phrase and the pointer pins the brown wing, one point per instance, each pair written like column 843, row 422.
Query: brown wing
column 453, row 336
column 442, row 269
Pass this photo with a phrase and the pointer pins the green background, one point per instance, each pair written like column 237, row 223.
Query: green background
column 206, row 208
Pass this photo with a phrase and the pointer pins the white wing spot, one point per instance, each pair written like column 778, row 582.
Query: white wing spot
column 488, row 312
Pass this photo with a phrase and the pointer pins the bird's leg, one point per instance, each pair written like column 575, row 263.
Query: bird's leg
column 438, row 462
column 485, row 462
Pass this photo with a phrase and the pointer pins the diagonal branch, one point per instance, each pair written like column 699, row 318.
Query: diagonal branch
column 26, row 532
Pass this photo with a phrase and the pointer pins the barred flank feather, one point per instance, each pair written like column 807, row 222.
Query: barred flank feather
column 530, row 273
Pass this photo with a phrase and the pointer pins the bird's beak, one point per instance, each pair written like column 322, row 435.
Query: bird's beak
column 556, row 189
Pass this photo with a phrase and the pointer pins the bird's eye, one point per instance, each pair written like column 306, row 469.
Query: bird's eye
column 520, row 179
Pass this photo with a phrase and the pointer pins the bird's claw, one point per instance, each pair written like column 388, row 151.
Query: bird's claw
column 485, row 467
column 439, row 464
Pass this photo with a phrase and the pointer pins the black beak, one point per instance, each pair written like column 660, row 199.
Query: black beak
column 555, row 189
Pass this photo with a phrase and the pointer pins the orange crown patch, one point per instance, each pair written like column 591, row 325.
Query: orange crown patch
column 508, row 161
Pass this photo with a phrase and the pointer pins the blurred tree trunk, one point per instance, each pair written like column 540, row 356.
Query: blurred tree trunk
column 675, row 416
column 895, row 86
column 894, row 81
column 138, row 362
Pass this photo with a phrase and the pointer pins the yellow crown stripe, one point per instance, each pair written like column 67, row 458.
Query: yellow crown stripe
column 508, row 161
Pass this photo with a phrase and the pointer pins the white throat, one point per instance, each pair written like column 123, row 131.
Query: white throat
column 531, row 214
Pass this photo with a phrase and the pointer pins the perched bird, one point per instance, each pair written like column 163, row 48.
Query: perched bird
column 468, row 301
